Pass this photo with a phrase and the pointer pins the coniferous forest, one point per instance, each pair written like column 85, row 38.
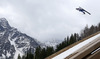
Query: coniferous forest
column 41, row 53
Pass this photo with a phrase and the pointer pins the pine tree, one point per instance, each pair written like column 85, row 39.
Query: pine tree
column 19, row 56
column 49, row 50
column 23, row 57
column 43, row 53
column 37, row 53
column 71, row 39
column 67, row 41
column 98, row 27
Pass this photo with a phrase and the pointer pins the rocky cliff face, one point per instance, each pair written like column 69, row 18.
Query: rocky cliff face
column 13, row 42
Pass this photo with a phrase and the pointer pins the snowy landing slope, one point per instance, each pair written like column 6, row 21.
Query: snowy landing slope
column 75, row 48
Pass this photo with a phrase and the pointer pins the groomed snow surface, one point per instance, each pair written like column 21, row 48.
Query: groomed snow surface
column 75, row 48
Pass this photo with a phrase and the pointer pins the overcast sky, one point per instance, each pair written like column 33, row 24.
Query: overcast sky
column 49, row 19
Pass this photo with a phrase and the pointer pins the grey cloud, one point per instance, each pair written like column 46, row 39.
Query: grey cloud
column 49, row 19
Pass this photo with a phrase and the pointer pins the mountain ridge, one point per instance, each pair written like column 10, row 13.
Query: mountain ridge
column 13, row 42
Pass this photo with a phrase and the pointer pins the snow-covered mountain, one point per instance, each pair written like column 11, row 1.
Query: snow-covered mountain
column 13, row 42
column 52, row 43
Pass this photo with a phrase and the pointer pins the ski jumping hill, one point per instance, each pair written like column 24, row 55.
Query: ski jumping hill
column 87, row 48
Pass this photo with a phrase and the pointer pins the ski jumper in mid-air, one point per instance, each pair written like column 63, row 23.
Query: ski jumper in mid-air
column 82, row 10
